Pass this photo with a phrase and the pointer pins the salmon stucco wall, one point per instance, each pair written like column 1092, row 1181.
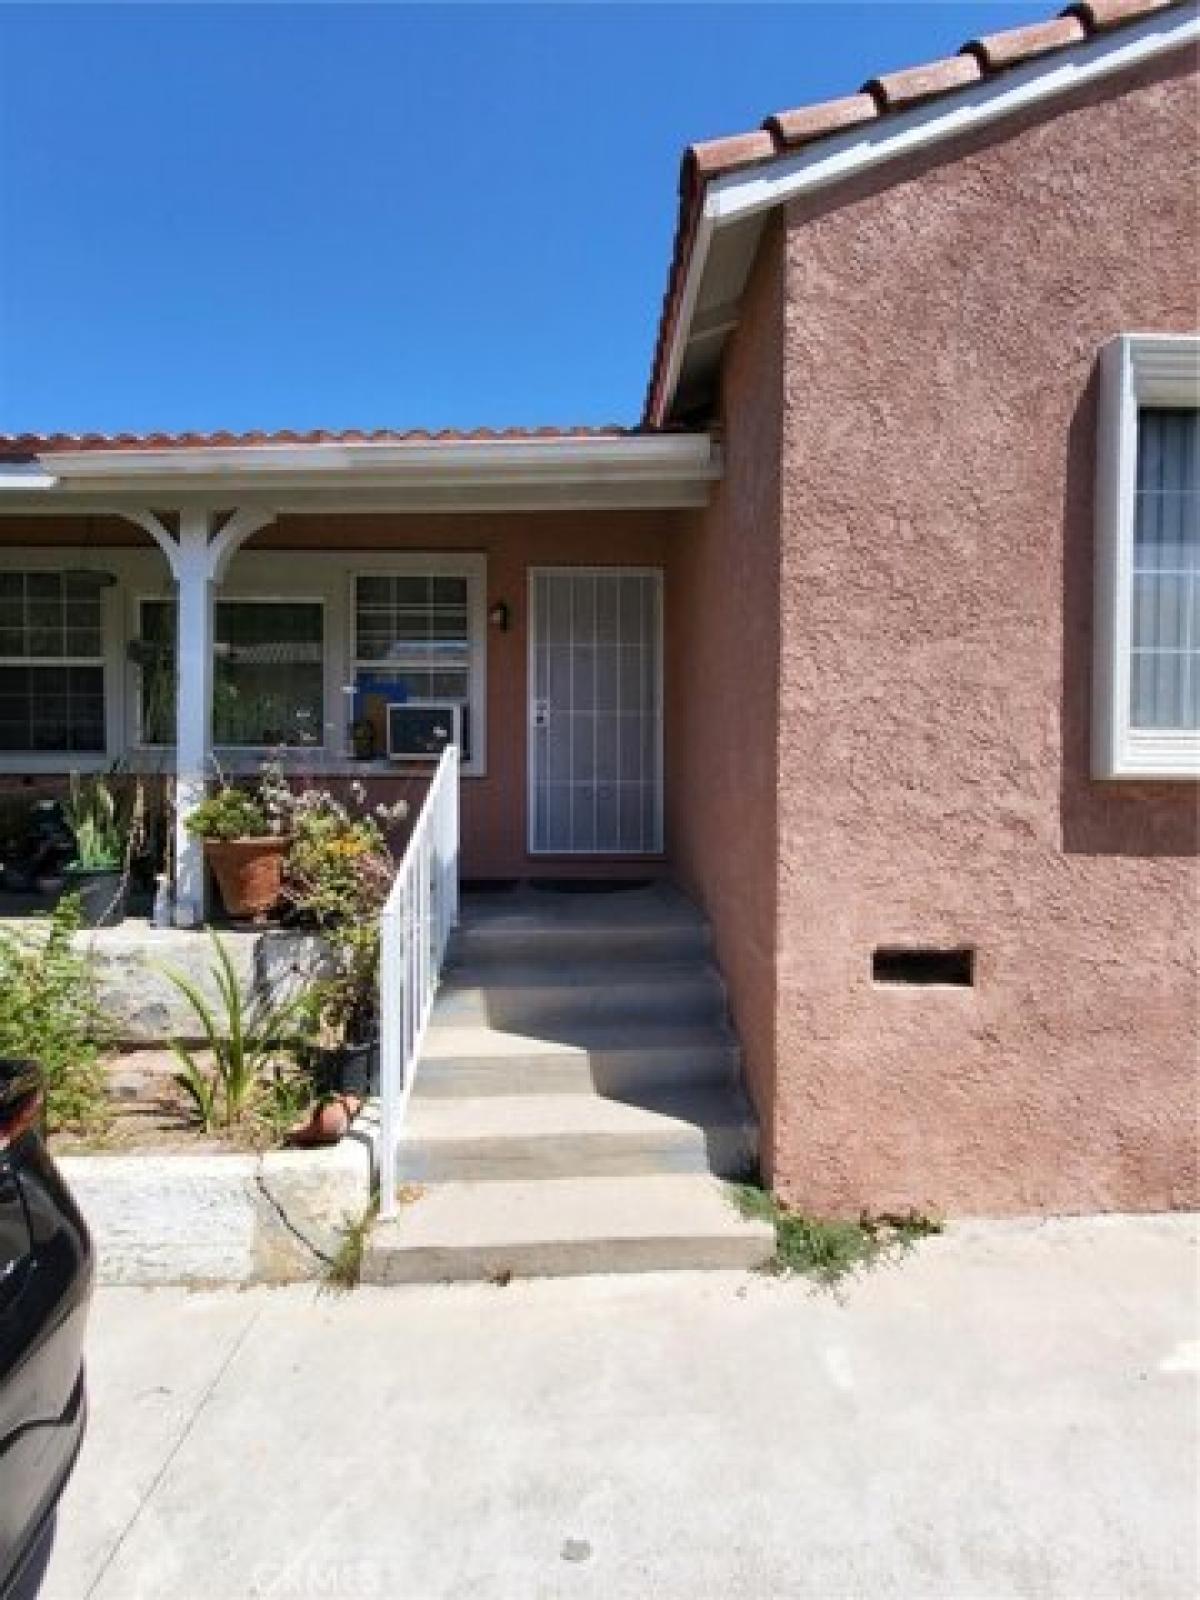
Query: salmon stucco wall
column 942, row 330
column 722, row 721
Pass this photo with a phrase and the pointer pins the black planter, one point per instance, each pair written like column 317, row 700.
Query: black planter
column 103, row 894
column 348, row 1069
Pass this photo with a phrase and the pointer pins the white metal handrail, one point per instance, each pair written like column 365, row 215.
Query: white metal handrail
column 420, row 911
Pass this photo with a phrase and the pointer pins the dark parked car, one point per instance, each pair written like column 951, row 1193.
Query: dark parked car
column 46, row 1270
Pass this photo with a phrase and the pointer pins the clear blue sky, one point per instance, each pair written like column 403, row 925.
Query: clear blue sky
column 345, row 216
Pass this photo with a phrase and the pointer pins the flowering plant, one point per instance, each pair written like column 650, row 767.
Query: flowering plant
column 337, row 877
column 260, row 812
column 229, row 814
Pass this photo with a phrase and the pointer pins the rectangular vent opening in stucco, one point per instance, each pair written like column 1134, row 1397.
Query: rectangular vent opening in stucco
column 896, row 964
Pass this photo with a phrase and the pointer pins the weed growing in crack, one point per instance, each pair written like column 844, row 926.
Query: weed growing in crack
column 831, row 1249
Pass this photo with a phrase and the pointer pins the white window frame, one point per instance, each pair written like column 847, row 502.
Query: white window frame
column 35, row 761
column 237, row 752
column 324, row 576
column 1136, row 370
column 432, row 564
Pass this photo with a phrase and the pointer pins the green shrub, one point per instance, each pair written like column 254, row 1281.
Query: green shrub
column 48, row 1013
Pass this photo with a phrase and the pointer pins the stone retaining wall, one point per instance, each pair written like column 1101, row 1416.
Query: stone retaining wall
column 142, row 1005
column 204, row 1219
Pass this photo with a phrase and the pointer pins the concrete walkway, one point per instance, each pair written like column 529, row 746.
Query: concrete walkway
column 1010, row 1411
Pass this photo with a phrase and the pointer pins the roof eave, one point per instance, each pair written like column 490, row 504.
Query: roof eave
column 659, row 471
column 723, row 201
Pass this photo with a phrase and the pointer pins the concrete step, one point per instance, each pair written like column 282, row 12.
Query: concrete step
column 576, row 1135
column 526, row 906
column 620, row 1061
column 664, row 940
column 533, row 996
column 570, row 1225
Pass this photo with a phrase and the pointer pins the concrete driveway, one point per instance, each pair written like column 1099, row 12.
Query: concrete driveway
column 1010, row 1411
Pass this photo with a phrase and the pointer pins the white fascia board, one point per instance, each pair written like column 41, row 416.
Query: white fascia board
column 832, row 160
column 477, row 461
column 293, row 497
column 23, row 476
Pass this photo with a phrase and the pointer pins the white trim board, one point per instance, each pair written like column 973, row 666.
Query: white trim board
column 1136, row 370
column 740, row 196
column 639, row 471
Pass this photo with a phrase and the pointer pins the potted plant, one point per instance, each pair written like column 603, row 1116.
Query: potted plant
column 245, row 842
column 105, row 830
column 339, row 874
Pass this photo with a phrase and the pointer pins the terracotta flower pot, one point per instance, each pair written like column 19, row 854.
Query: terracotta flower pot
column 249, row 872
column 328, row 1122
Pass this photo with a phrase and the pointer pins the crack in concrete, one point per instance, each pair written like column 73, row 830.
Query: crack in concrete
column 277, row 1210
column 172, row 1453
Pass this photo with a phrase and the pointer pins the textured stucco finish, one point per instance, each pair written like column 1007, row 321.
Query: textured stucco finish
column 722, row 705
column 942, row 330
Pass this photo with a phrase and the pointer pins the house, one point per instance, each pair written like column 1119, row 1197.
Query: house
column 879, row 634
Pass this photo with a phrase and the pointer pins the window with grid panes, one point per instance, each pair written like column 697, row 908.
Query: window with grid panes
column 52, row 692
column 268, row 673
column 412, row 645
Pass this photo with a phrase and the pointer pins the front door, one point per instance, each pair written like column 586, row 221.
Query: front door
column 595, row 711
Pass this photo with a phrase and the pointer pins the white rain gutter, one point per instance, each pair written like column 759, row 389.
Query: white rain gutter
column 651, row 471
column 491, row 461
column 742, row 195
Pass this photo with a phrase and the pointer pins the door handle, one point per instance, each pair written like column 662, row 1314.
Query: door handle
column 541, row 713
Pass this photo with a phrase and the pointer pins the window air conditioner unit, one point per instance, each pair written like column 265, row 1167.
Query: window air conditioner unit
column 421, row 730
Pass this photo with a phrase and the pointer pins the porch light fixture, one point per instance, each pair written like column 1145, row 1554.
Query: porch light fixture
column 498, row 615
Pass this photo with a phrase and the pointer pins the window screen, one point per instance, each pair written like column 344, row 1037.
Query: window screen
column 1164, row 679
column 268, row 673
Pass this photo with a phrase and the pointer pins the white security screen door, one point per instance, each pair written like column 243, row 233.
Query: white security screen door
column 595, row 711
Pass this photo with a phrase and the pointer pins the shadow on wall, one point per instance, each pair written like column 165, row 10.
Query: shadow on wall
column 1102, row 817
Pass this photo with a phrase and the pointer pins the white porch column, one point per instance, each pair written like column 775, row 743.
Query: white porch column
column 199, row 556
column 193, row 726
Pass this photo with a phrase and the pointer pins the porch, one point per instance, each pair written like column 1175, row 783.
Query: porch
column 337, row 610
column 525, row 618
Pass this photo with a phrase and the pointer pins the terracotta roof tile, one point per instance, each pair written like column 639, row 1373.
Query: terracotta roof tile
column 780, row 134
column 996, row 50
column 910, row 86
column 891, row 92
column 791, row 128
column 727, row 155
column 1100, row 14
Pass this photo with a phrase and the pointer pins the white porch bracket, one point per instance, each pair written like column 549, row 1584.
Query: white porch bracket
column 199, row 554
